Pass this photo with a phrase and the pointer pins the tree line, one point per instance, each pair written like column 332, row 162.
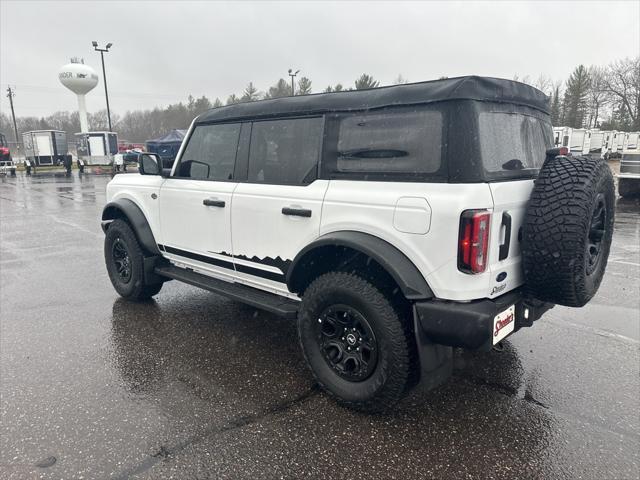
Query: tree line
column 592, row 97
column 596, row 97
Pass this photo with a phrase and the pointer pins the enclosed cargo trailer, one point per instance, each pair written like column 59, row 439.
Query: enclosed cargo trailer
column 97, row 148
column 46, row 147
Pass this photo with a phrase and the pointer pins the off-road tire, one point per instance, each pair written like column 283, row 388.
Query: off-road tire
column 628, row 187
column 394, row 368
column 135, row 287
column 558, row 226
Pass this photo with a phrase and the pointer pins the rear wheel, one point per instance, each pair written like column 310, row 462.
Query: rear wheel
column 355, row 342
column 124, row 259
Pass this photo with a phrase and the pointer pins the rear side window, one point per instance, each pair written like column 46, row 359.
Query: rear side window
column 285, row 152
column 403, row 142
column 513, row 142
column 210, row 153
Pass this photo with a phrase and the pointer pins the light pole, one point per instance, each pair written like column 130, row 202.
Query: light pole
column 104, row 75
column 293, row 76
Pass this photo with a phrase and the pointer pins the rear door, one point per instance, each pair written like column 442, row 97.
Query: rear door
column 518, row 162
column 276, row 212
column 195, row 202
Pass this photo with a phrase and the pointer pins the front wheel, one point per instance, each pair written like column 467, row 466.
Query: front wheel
column 355, row 342
column 125, row 263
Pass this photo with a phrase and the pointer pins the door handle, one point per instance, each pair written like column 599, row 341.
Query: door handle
column 213, row 202
column 504, row 248
column 296, row 212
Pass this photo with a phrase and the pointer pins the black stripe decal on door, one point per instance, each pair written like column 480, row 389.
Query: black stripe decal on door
column 278, row 277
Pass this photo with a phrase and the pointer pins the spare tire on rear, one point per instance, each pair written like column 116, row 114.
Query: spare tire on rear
column 567, row 230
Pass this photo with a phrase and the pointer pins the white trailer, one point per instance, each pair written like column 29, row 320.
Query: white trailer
column 45, row 147
column 612, row 144
column 578, row 140
column 596, row 143
column 97, row 148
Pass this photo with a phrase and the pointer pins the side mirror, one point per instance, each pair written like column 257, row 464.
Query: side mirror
column 149, row 164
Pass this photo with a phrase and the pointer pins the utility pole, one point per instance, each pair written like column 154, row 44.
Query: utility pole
column 293, row 76
column 104, row 75
column 11, row 94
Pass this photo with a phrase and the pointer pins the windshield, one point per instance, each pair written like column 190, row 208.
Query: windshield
column 513, row 142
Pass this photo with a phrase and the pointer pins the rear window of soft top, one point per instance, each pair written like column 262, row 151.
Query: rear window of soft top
column 513, row 143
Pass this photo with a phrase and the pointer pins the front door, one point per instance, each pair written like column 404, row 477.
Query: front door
column 195, row 202
column 276, row 212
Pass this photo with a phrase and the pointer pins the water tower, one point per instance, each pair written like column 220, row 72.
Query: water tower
column 80, row 79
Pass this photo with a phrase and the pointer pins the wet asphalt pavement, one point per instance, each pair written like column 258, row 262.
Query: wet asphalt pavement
column 192, row 385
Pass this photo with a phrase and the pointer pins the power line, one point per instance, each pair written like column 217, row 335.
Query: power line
column 152, row 96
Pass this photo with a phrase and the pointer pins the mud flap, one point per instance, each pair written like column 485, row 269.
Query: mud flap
column 436, row 361
column 150, row 264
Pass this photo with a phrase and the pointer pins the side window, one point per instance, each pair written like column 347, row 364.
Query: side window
column 210, row 153
column 405, row 141
column 285, row 151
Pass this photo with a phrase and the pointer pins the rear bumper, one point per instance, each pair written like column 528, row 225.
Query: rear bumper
column 470, row 325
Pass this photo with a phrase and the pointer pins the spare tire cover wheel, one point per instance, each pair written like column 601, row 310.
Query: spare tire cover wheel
column 567, row 230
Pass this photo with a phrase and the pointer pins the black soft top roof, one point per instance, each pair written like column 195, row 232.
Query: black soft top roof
column 461, row 88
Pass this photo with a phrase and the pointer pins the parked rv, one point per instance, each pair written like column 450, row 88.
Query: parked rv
column 46, row 147
column 97, row 148
column 577, row 139
column 596, row 143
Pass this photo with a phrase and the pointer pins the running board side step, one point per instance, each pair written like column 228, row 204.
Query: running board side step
column 270, row 302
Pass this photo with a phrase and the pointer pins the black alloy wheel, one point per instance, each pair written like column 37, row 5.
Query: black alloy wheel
column 596, row 233
column 121, row 259
column 347, row 342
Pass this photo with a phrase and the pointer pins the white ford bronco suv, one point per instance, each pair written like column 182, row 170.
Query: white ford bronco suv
column 394, row 224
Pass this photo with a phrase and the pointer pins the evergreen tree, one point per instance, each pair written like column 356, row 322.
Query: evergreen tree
column 304, row 86
column 232, row 99
column 555, row 106
column 217, row 103
column 199, row 106
column 337, row 88
column 576, row 97
column 281, row 89
column 250, row 93
column 366, row 81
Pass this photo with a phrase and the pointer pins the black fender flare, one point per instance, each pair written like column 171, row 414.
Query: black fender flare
column 123, row 207
column 411, row 282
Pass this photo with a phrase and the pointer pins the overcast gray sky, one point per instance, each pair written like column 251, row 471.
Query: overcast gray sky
column 165, row 50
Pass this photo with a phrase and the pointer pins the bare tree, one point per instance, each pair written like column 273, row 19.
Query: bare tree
column 544, row 83
column 400, row 80
column 598, row 94
column 622, row 81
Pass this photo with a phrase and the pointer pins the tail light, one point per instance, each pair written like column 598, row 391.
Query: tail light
column 473, row 241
